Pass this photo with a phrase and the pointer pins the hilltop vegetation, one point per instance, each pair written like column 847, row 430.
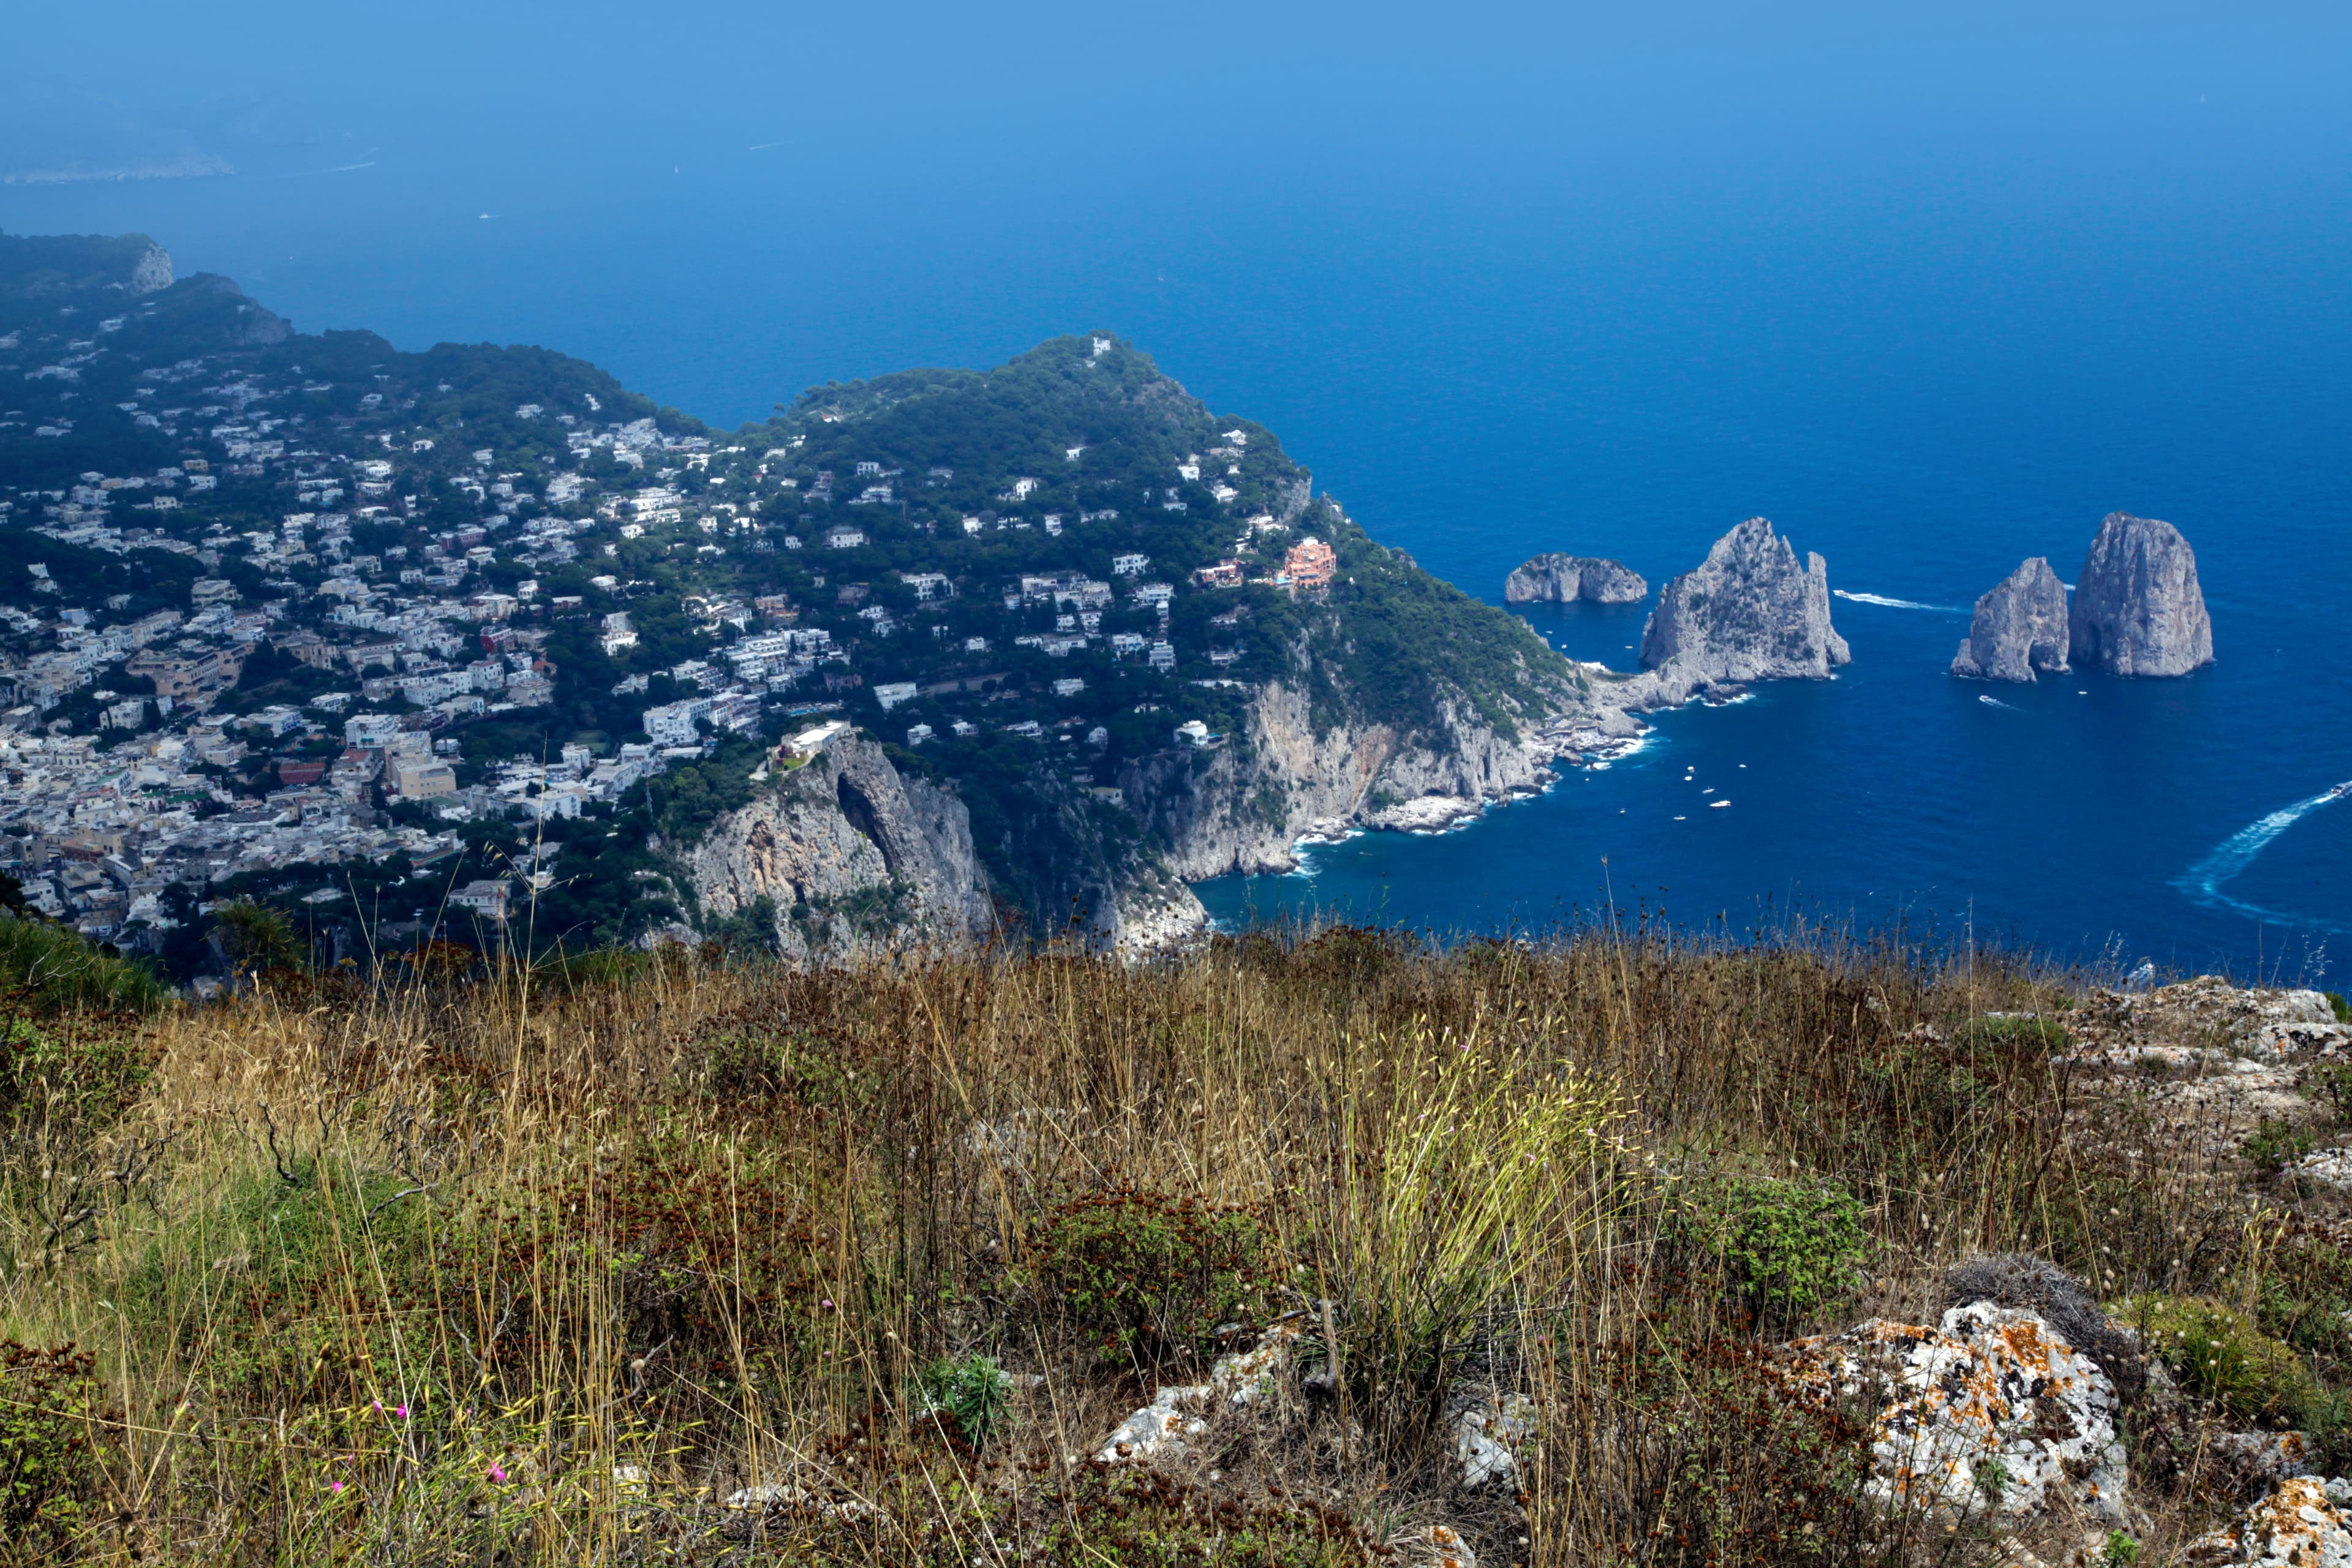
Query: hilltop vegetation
column 674, row 1258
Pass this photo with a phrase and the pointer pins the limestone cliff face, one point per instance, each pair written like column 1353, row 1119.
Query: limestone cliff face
column 1242, row 807
column 1747, row 612
column 1559, row 579
column 851, row 854
column 152, row 271
column 2137, row 606
column 2020, row 627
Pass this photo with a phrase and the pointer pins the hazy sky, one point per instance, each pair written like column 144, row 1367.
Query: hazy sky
column 917, row 182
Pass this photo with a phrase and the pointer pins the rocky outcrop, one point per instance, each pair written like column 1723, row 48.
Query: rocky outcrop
column 850, row 855
column 1559, row 579
column 2138, row 608
column 1244, row 807
column 152, row 271
column 1747, row 612
column 2019, row 628
column 1989, row 1384
column 2305, row 1522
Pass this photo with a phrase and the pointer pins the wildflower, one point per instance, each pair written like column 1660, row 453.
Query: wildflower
column 400, row 1411
column 497, row 1473
column 335, row 1486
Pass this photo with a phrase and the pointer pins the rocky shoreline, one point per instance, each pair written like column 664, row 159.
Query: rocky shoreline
column 1751, row 611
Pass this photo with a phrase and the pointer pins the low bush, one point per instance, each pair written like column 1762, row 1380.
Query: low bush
column 2277, row 1144
column 50, row 1474
column 1788, row 1248
column 53, row 969
column 1149, row 1278
column 971, row 1391
column 2218, row 1353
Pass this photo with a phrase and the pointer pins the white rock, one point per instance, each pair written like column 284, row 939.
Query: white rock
column 2264, row 1456
column 2301, row 1524
column 2300, row 1037
column 1990, row 1384
column 779, row 1495
column 1482, row 1436
column 2329, row 1167
column 1179, row 1411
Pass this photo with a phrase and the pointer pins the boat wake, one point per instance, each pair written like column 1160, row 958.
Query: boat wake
column 1997, row 702
column 1884, row 603
column 2206, row 881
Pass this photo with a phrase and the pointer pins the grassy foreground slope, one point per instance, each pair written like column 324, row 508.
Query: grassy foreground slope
column 545, row 1268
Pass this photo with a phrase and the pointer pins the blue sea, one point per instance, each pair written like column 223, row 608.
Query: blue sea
column 1931, row 304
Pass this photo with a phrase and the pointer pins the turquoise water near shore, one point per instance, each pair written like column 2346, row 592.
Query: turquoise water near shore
column 1925, row 382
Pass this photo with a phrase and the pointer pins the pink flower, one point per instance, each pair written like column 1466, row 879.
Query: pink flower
column 497, row 1475
column 828, row 1303
column 336, row 1487
column 400, row 1411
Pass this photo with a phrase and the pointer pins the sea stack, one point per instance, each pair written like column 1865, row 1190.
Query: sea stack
column 1749, row 612
column 1558, row 579
column 2020, row 627
column 2137, row 608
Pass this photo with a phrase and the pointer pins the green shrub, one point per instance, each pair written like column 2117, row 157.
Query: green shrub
column 1788, row 1247
column 48, row 1470
column 1151, row 1278
column 972, row 1390
column 2276, row 1144
column 2218, row 1353
column 74, row 1073
column 256, row 938
column 56, row 970
column 2339, row 1007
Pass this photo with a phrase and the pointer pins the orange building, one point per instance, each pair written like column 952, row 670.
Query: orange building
column 1311, row 564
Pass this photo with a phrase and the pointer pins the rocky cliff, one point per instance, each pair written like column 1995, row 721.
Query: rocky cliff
column 1565, row 579
column 849, row 855
column 2138, row 608
column 1245, row 805
column 2020, row 627
column 1747, row 612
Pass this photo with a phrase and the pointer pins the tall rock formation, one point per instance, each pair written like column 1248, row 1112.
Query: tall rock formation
column 2020, row 627
column 850, row 854
column 1747, row 612
column 1564, row 579
column 2137, row 608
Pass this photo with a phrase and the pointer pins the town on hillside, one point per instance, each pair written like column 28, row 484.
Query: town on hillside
column 395, row 640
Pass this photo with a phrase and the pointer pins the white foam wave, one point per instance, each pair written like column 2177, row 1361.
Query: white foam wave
column 1884, row 603
column 2205, row 881
column 1997, row 702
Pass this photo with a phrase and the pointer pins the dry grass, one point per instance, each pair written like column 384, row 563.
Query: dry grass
column 504, row 1270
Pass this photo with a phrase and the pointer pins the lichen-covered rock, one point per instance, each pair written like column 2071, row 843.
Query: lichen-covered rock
column 1558, row 579
column 2303, row 1524
column 1747, row 612
column 2033, row 1284
column 1990, row 1386
column 2020, row 627
column 1182, row 1411
column 2138, row 608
